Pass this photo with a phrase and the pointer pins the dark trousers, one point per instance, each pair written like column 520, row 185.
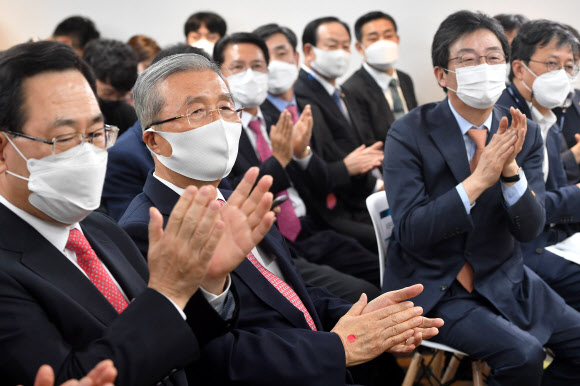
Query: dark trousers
column 473, row 325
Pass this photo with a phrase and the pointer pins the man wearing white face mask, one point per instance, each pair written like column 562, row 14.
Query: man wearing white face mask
column 380, row 91
column 74, row 287
column 204, row 29
column 465, row 188
column 542, row 64
column 337, row 131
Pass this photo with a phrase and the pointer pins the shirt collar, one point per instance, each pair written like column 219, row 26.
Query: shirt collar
column 382, row 78
column 179, row 190
column 56, row 234
column 464, row 124
column 330, row 89
column 247, row 117
column 544, row 121
column 281, row 104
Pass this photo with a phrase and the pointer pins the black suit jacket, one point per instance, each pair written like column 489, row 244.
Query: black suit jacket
column 334, row 137
column 569, row 122
column 375, row 113
column 52, row 314
column 271, row 341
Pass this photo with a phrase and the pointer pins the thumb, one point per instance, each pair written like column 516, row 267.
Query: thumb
column 155, row 225
column 577, row 137
column 357, row 308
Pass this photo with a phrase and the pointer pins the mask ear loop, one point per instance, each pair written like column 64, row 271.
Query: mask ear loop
column 19, row 152
column 527, row 88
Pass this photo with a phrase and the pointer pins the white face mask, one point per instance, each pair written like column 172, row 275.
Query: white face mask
column 67, row 186
column 330, row 64
column 249, row 88
column 205, row 45
column 551, row 88
column 382, row 54
column 207, row 153
column 282, row 76
column 480, row 86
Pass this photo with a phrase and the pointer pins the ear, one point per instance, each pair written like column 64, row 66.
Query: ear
column 297, row 58
column 359, row 48
column 440, row 75
column 190, row 38
column 150, row 140
column 309, row 54
column 3, row 143
column 518, row 69
column 397, row 39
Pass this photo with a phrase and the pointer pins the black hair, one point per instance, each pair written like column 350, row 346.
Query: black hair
column 213, row 22
column 27, row 60
column 113, row 62
column 459, row 24
column 237, row 38
column 180, row 48
column 310, row 35
column 375, row 15
column 537, row 34
column 511, row 21
column 574, row 32
column 79, row 29
column 264, row 32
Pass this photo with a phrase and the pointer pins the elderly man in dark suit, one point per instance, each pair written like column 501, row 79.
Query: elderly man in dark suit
column 381, row 93
column 74, row 288
column 465, row 187
column 297, row 333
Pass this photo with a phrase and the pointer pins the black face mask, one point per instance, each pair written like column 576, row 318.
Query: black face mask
column 118, row 113
column 109, row 107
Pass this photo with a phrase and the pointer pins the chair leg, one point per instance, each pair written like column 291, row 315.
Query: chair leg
column 437, row 364
column 477, row 367
column 412, row 370
column 451, row 369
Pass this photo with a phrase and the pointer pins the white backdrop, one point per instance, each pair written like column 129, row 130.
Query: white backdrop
column 417, row 20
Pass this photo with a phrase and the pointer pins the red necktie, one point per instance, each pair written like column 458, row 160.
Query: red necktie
column 98, row 275
column 294, row 112
column 280, row 285
column 288, row 222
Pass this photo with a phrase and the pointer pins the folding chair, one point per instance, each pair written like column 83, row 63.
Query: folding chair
column 378, row 208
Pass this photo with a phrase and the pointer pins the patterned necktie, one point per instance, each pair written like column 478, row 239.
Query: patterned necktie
column 98, row 275
column 293, row 109
column 398, row 108
column 479, row 136
column 288, row 222
column 280, row 285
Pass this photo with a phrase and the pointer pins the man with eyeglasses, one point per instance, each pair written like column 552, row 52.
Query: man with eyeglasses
column 542, row 65
column 74, row 288
column 287, row 331
column 465, row 187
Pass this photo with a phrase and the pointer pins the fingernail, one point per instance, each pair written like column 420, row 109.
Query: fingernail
column 419, row 310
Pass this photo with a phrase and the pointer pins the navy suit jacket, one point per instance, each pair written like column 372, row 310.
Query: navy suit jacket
column 52, row 314
column 433, row 237
column 271, row 341
column 562, row 200
column 569, row 121
column 375, row 113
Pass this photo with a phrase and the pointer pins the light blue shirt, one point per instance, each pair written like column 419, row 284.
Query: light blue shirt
column 511, row 194
column 281, row 104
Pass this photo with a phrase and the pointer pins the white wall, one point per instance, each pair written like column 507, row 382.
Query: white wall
column 418, row 20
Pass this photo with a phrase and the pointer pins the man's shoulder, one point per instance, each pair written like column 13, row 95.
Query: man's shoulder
column 137, row 211
column 417, row 119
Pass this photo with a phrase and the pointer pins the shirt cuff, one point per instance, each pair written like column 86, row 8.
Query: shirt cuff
column 464, row 198
column 303, row 162
column 511, row 194
column 175, row 305
column 217, row 301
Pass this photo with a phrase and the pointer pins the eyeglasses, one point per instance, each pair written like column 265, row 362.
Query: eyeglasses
column 103, row 138
column 571, row 69
column 199, row 117
column 472, row 59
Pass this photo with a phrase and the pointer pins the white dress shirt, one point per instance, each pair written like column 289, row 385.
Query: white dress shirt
column 383, row 80
column 545, row 122
column 297, row 202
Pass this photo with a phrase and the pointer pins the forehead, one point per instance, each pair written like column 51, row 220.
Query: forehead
column 332, row 30
column 277, row 40
column 64, row 95
column 377, row 25
column 553, row 48
column 178, row 88
column 243, row 52
column 480, row 40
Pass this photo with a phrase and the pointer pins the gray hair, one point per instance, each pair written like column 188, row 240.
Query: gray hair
column 147, row 99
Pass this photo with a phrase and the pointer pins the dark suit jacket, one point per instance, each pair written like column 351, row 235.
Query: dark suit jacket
column 433, row 237
column 271, row 341
column 562, row 200
column 53, row 314
column 569, row 121
column 376, row 116
column 333, row 138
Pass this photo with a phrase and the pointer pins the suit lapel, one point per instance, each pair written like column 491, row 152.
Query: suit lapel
column 445, row 132
column 246, row 149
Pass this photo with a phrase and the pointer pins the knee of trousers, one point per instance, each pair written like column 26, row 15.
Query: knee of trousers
column 526, row 359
